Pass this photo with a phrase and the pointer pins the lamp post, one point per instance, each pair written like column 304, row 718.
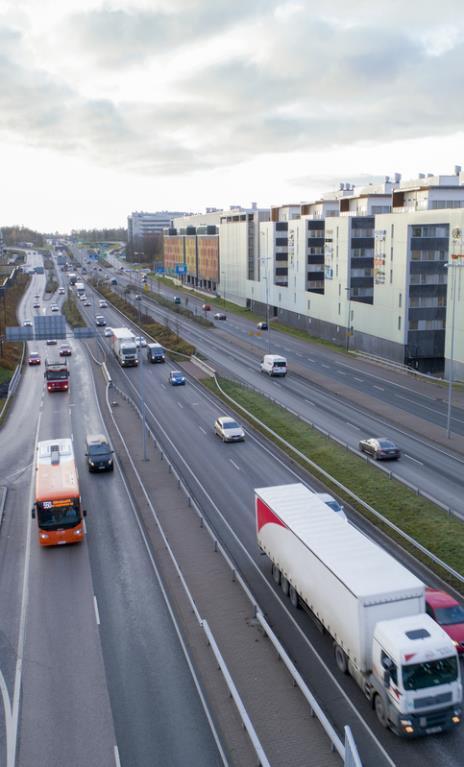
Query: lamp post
column 266, row 259
column 453, row 265
column 348, row 325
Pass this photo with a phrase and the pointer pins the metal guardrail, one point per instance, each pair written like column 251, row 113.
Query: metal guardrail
column 338, row 484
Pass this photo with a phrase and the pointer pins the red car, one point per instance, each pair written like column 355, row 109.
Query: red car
column 34, row 358
column 206, row 307
column 448, row 613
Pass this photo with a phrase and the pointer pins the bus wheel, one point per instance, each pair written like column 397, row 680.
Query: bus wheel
column 275, row 574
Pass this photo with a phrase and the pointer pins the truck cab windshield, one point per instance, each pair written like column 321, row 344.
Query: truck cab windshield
column 419, row 676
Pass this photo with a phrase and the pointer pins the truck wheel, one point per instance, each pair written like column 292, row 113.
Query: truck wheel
column 284, row 585
column 275, row 574
column 381, row 711
column 294, row 598
column 340, row 659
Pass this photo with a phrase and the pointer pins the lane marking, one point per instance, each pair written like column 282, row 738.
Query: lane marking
column 297, row 354
column 179, row 404
column 309, row 359
column 353, row 426
column 97, row 614
column 380, row 388
column 309, row 402
column 234, row 464
column 361, row 380
column 341, row 372
column 413, row 459
column 163, row 386
column 116, row 757
column 202, row 429
column 324, row 365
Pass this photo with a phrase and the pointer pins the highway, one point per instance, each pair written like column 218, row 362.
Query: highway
column 335, row 405
column 222, row 479
column 94, row 671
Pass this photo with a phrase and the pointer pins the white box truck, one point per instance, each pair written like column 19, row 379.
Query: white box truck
column 371, row 606
column 124, row 347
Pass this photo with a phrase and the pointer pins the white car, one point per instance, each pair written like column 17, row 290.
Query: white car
column 102, row 304
column 141, row 342
column 54, row 308
column 61, row 291
column 228, row 429
column 333, row 504
column 108, row 332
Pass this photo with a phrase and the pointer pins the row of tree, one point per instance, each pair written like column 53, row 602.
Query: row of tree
column 100, row 235
column 13, row 236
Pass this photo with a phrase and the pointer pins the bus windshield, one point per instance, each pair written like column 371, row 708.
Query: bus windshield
column 56, row 517
column 57, row 374
column 418, row 676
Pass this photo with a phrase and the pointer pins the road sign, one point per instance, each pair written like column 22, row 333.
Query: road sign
column 181, row 269
column 160, row 270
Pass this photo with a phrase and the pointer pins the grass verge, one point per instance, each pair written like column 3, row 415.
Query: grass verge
column 441, row 534
column 71, row 312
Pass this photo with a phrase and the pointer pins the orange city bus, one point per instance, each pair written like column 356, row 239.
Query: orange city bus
column 57, row 500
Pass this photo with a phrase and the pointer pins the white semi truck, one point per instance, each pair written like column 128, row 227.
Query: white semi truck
column 371, row 606
column 124, row 347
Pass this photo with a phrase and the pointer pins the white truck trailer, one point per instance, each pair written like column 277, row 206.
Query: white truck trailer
column 370, row 604
column 124, row 347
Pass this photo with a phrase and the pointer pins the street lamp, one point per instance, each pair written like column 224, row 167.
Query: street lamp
column 348, row 325
column 452, row 265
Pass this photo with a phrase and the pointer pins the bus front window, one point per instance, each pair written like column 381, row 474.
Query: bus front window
column 54, row 517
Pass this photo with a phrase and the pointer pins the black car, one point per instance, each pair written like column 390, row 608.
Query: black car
column 380, row 448
column 99, row 453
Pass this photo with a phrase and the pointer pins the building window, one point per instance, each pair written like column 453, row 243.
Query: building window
column 339, row 308
column 400, row 298
column 399, row 323
column 391, row 276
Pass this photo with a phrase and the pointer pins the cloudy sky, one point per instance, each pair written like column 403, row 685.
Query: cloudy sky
column 110, row 107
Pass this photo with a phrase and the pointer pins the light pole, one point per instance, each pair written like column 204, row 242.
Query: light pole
column 142, row 404
column 348, row 325
column 453, row 265
column 266, row 259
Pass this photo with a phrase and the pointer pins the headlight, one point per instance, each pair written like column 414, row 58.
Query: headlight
column 91, row 463
column 43, row 536
column 78, row 532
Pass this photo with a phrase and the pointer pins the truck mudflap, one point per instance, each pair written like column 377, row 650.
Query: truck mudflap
column 429, row 723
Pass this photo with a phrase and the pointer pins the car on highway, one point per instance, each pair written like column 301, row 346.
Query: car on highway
column 87, row 302
column 98, row 453
column 100, row 321
column 220, row 316
column 28, row 324
column 176, row 378
column 83, row 297
column 380, row 448
column 65, row 350
column 206, row 307
column 36, row 305
column 61, row 291
column 108, row 332
column 138, row 297
column 140, row 342
column 333, row 504
column 51, row 341
column 228, row 429
column 176, row 299
column 446, row 610
column 34, row 358
column 262, row 326
column 54, row 308
column 102, row 304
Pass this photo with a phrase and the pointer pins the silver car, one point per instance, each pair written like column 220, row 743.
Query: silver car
column 228, row 429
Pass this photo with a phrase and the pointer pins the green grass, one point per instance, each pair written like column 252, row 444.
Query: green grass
column 71, row 311
column 441, row 534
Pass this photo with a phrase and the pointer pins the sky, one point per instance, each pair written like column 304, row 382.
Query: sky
column 112, row 107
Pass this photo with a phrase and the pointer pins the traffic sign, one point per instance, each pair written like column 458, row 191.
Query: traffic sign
column 181, row 269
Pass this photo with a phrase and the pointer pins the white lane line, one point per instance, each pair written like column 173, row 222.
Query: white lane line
column 163, row 386
column 179, row 404
column 116, row 757
column 276, row 384
column 380, row 388
column 297, row 354
column 234, row 464
column 202, row 429
column 309, row 402
column 309, row 359
column 324, row 365
column 361, row 380
column 97, row 614
column 341, row 372
column 194, row 404
column 413, row 459
column 353, row 426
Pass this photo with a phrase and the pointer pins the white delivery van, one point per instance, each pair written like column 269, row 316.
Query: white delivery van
column 274, row 365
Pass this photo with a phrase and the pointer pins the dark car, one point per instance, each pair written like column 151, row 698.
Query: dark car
column 177, row 299
column 262, row 326
column 51, row 341
column 176, row 378
column 34, row 358
column 100, row 321
column 99, row 453
column 220, row 316
column 138, row 297
column 380, row 448
column 65, row 350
